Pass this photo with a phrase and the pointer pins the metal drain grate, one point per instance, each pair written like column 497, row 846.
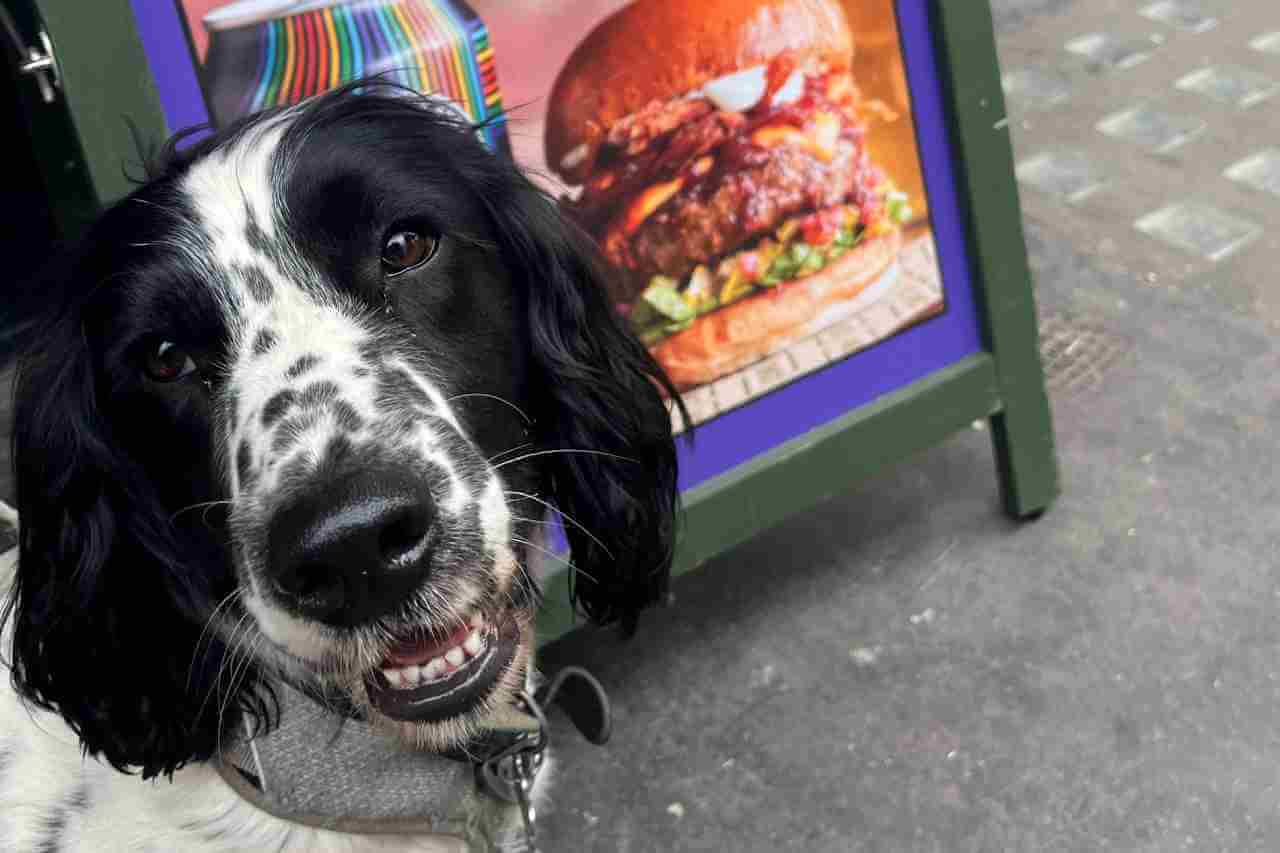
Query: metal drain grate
column 1076, row 354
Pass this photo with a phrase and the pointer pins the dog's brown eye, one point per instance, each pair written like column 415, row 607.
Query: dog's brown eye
column 405, row 250
column 168, row 362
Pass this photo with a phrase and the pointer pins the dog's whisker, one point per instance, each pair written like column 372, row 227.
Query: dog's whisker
column 501, row 453
column 208, row 623
column 435, row 605
column 542, row 522
column 235, row 659
column 531, row 581
column 519, row 411
column 238, row 632
column 566, row 450
column 204, row 517
column 506, row 593
column 565, row 516
column 206, row 505
column 233, row 686
column 233, row 643
column 238, row 676
column 555, row 556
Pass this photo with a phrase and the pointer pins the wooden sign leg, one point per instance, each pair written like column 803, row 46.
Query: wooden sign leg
column 1022, row 428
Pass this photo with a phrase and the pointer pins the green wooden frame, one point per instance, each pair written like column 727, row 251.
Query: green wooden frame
column 1003, row 384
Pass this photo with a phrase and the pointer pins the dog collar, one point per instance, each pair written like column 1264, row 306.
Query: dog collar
column 322, row 766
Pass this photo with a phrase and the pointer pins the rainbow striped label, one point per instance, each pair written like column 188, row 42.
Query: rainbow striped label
column 435, row 46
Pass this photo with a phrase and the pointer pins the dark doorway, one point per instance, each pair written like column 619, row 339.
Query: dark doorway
column 27, row 228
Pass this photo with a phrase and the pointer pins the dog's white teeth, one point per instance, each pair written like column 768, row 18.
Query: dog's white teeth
column 409, row 677
column 433, row 669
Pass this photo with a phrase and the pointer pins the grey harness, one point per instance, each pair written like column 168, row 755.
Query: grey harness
column 322, row 766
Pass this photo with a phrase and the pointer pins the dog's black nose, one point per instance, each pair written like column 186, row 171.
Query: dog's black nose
column 353, row 550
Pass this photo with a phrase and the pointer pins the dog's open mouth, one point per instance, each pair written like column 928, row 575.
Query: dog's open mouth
column 433, row 677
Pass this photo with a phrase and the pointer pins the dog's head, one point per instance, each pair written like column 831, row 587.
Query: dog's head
column 303, row 405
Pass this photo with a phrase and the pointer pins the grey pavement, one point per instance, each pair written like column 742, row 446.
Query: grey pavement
column 906, row 670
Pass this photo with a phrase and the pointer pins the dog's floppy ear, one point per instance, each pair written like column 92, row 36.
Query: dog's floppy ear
column 105, row 617
column 598, row 399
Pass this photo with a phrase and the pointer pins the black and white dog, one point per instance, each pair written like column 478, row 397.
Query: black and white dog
column 300, row 409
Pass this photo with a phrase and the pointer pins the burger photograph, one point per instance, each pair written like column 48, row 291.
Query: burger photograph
column 721, row 151
column 748, row 169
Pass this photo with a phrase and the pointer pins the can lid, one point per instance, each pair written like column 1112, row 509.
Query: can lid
column 247, row 12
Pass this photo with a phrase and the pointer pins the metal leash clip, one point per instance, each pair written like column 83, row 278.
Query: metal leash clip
column 510, row 773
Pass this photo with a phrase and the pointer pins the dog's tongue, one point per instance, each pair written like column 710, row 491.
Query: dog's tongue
column 423, row 647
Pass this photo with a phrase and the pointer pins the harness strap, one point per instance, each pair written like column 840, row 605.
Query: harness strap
column 326, row 768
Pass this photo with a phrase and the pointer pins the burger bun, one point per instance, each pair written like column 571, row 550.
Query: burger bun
column 664, row 49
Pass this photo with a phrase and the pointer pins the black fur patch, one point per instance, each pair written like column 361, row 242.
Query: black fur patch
column 347, row 417
column 405, row 429
column 263, row 244
column 265, row 340
column 318, row 394
column 294, row 475
column 371, row 350
column 79, row 800
column 396, row 390
column 244, row 463
column 54, row 826
column 277, row 406
column 255, row 236
column 260, row 287
column 338, row 450
column 233, row 409
column 291, row 430
column 301, row 366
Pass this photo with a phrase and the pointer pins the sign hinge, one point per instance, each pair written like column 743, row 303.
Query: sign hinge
column 38, row 62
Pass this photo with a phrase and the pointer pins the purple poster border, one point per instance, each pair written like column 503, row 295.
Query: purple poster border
column 813, row 400
column 164, row 40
